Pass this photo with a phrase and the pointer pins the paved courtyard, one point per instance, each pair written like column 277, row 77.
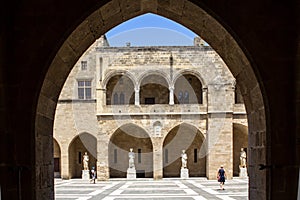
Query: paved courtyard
column 121, row 189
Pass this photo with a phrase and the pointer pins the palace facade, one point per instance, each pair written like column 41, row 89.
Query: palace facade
column 157, row 100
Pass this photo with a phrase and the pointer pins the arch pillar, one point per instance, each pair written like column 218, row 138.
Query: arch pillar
column 65, row 172
column 101, row 99
column 137, row 96
column 171, row 101
column 157, row 158
column 102, row 157
column 220, row 130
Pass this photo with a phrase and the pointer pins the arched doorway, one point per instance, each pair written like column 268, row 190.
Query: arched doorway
column 154, row 89
column 184, row 137
column 119, row 91
column 188, row 90
column 82, row 143
column 126, row 137
column 240, row 140
column 57, row 159
column 209, row 29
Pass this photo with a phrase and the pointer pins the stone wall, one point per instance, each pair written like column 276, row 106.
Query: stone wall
column 161, row 73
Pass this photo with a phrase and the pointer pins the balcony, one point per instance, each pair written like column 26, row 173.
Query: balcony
column 156, row 109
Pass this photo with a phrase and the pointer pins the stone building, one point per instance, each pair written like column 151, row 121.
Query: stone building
column 42, row 41
column 157, row 100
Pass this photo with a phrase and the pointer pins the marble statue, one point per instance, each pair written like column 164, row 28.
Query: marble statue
column 183, row 160
column 85, row 161
column 131, row 158
column 243, row 158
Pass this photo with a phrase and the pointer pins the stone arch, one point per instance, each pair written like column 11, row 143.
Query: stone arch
column 122, row 87
column 83, row 142
column 188, row 89
column 224, row 41
column 201, row 131
column 184, row 137
column 57, row 158
column 240, row 140
column 153, row 72
column 154, row 88
column 125, row 137
column 113, row 73
column 189, row 71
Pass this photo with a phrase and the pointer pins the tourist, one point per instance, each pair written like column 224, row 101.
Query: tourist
column 221, row 175
column 93, row 174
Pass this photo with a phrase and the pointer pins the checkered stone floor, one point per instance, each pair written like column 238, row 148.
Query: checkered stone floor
column 141, row 189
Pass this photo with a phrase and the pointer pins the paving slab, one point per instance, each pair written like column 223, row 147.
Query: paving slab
column 141, row 189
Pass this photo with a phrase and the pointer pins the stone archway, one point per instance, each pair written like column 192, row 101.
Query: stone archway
column 240, row 140
column 185, row 13
column 154, row 89
column 188, row 90
column 82, row 143
column 126, row 137
column 119, row 90
column 183, row 137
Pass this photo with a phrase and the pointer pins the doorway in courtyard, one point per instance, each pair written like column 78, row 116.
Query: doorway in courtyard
column 184, row 137
column 126, row 137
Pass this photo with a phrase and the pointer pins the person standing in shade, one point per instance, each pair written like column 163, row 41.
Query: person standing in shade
column 221, row 175
column 93, row 174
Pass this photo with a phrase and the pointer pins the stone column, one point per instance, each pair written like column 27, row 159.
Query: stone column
column 64, row 162
column 137, row 96
column 171, row 99
column 101, row 99
column 219, row 144
column 102, row 157
column 220, row 130
column 157, row 158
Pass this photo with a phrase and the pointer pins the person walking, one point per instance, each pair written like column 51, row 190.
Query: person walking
column 221, row 175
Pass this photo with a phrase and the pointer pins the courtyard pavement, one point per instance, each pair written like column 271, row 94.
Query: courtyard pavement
column 141, row 189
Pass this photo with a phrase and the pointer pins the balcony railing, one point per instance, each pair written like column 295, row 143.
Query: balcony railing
column 156, row 109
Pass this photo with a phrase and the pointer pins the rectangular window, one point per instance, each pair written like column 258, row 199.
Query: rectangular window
column 139, row 155
column 115, row 156
column 79, row 157
column 166, row 156
column 195, row 156
column 84, row 89
column 83, row 65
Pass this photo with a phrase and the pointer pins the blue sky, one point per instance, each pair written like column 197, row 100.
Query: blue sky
column 150, row 30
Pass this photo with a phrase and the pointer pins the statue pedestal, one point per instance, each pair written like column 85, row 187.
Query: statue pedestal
column 85, row 174
column 243, row 172
column 184, row 173
column 131, row 173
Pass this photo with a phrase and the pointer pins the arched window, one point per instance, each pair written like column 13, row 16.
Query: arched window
column 116, row 100
column 186, row 97
column 180, row 97
column 122, row 98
